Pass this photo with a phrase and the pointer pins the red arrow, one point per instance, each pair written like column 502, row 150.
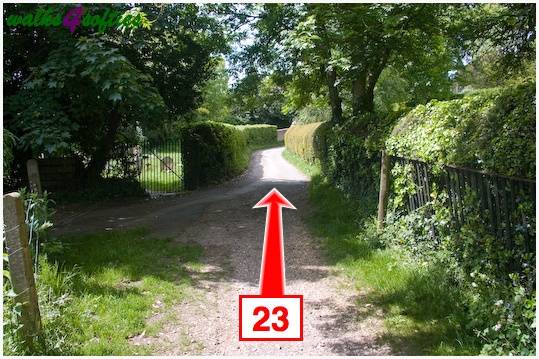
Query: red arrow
column 272, row 279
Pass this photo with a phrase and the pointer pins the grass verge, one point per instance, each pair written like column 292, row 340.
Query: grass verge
column 97, row 291
column 422, row 314
column 307, row 168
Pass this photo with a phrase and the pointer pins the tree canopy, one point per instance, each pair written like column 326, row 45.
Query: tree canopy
column 81, row 92
column 347, row 48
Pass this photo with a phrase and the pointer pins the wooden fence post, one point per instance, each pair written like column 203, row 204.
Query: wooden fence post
column 20, row 265
column 384, row 186
column 33, row 176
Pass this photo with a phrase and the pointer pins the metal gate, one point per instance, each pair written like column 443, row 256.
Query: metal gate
column 160, row 167
column 155, row 166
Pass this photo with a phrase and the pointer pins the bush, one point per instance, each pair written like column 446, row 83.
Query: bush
column 212, row 152
column 340, row 150
column 492, row 130
column 348, row 163
column 259, row 135
column 306, row 141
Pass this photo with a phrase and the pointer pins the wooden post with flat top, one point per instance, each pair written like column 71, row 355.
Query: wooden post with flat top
column 20, row 266
column 384, row 187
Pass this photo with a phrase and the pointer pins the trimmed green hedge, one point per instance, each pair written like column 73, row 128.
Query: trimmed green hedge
column 259, row 135
column 306, row 141
column 492, row 130
column 212, row 152
column 341, row 155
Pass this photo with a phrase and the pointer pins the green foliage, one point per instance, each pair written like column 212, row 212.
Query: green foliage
column 315, row 111
column 509, row 29
column 79, row 86
column 492, row 130
column 260, row 99
column 391, row 91
column 81, row 92
column 43, row 126
column 351, row 160
column 179, row 52
column 345, row 159
column 467, row 264
column 515, row 318
column 432, row 289
column 38, row 218
column 216, row 97
column 338, row 51
column 259, row 135
column 496, row 280
column 488, row 68
column 212, row 152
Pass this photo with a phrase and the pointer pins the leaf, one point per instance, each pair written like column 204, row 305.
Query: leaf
column 44, row 226
column 116, row 96
column 106, row 85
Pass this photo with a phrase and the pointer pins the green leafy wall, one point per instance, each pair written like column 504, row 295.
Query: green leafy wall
column 304, row 141
column 491, row 130
column 212, row 152
column 259, row 135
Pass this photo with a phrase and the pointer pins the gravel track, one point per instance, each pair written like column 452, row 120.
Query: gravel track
column 337, row 319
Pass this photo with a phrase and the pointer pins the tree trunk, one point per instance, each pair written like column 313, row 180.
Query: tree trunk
column 334, row 98
column 101, row 155
column 364, row 84
column 362, row 95
column 330, row 74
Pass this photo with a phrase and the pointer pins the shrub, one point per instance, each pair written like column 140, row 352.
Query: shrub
column 306, row 141
column 348, row 163
column 212, row 152
column 341, row 151
column 492, row 130
column 259, row 135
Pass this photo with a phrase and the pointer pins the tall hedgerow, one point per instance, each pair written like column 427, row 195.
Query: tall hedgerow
column 491, row 130
column 212, row 152
column 259, row 135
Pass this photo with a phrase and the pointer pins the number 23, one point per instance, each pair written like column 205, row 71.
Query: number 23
column 282, row 318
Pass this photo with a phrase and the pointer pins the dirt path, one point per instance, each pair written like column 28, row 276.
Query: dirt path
column 223, row 222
